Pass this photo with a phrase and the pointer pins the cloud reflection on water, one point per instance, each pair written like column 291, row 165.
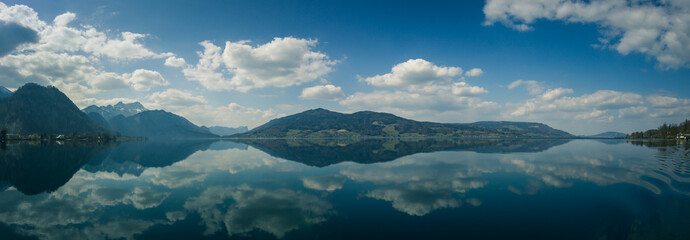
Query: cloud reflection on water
column 229, row 188
column 274, row 211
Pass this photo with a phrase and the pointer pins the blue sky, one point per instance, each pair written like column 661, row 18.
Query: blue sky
column 584, row 67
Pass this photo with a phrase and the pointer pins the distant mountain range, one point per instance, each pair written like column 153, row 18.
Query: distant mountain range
column 135, row 119
column 34, row 109
column 158, row 124
column 37, row 109
column 224, row 131
column 110, row 111
column 322, row 123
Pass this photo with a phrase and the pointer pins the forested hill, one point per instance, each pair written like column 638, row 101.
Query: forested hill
column 43, row 110
column 320, row 123
column 665, row 131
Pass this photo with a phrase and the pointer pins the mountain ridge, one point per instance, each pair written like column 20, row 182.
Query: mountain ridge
column 34, row 109
column 323, row 123
column 158, row 124
column 133, row 119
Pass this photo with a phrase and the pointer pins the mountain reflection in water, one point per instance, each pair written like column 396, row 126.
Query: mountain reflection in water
column 347, row 188
column 324, row 152
column 33, row 169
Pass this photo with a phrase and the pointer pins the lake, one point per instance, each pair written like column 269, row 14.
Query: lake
column 347, row 189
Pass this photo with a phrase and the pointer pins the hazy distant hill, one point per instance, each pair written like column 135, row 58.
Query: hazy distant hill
column 522, row 127
column 318, row 123
column 223, row 131
column 609, row 135
column 158, row 124
column 4, row 92
column 98, row 119
column 110, row 111
column 133, row 119
column 37, row 109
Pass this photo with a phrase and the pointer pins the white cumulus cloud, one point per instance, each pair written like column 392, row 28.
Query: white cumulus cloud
column 532, row 86
column 144, row 80
column 21, row 14
column 282, row 62
column 68, row 56
column 407, row 103
column 413, row 72
column 175, row 98
column 173, row 61
column 324, row 92
column 474, row 72
column 419, row 88
column 61, row 37
column 666, row 106
column 657, row 29
column 554, row 101
column 666, row 101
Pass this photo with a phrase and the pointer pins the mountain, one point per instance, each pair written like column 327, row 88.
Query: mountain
column 158, row 124
column 609, row 135
column 4, row 92
column 110, row 111
column 37, row 109
column 98, row 119
column 224, row 131
column 322, row 123
column 133, row 119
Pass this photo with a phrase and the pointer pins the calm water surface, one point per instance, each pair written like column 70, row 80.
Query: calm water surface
column 347, row 189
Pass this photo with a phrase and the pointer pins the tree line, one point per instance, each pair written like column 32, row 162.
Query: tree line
column 665, row 131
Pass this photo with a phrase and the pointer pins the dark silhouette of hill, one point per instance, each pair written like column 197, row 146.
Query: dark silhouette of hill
column 324, row 152
column 665, row 131
column 320, row 123
column 37, row 109
column 34, row 169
